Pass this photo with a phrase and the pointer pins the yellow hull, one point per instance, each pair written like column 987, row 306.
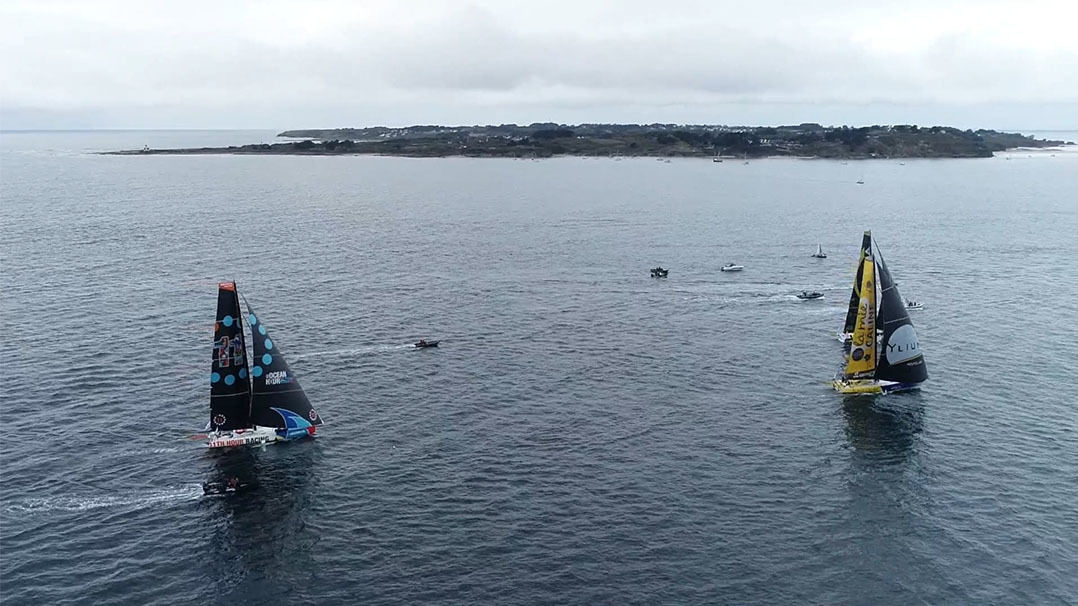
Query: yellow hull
column 862, row 386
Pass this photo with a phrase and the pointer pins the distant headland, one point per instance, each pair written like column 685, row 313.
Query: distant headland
column 546, row 139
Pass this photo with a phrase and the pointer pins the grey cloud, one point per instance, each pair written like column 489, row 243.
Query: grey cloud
column 360, row 63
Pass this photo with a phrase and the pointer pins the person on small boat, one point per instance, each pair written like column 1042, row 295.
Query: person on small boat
column 422, row 343
column 233, row 482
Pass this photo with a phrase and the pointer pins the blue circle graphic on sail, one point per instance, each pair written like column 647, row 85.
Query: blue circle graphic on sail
column 215, row 377
column 269, row 344
column 227, row 320
column 261, row 329
column 251, row 319
column 267, row 359
column 230, row 379
column 256, row 371
column 243, row 373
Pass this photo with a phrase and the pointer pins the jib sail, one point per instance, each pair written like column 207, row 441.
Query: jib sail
column 274, row 385
column 900, row 356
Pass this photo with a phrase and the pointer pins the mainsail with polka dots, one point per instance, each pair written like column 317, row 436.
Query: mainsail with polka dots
column 230, row 386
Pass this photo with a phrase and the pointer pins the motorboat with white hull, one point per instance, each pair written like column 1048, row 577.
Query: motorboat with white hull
column 732, row 267
column 252, row 402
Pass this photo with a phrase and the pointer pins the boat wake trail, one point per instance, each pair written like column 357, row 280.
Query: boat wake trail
column 141, row 452
column 189, row 492
column 355, row 351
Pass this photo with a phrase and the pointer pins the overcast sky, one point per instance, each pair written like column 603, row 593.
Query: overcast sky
column 295, row 64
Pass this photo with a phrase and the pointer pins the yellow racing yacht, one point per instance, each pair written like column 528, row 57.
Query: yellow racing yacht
column 883, row 353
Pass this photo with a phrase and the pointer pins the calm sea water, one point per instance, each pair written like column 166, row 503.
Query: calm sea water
column 585, row 434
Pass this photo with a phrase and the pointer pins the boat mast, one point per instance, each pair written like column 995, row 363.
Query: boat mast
column 246, row 366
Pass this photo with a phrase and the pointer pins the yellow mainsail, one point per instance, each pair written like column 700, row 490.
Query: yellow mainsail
column 861, row 362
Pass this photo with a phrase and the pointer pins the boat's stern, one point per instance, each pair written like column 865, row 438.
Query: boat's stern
column 856, row 387
column 256, row 436
column 871, row 387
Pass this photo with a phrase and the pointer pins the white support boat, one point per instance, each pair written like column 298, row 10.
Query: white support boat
column 256, row 403
column 913, row 305
column 731, row 267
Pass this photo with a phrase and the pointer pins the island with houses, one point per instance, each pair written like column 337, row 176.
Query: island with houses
column 546, row 139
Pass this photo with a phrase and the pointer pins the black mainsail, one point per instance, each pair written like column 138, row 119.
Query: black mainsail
column 274, row 385
column 900, row 357
column 230, row 387
column 855, row 296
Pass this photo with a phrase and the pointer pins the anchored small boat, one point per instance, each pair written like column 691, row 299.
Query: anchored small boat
column 423, row 343
column 659, row 272
column 879, row 363
column 819, row 254
column 256, row 403
column 807, row 296
column 732, row 267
